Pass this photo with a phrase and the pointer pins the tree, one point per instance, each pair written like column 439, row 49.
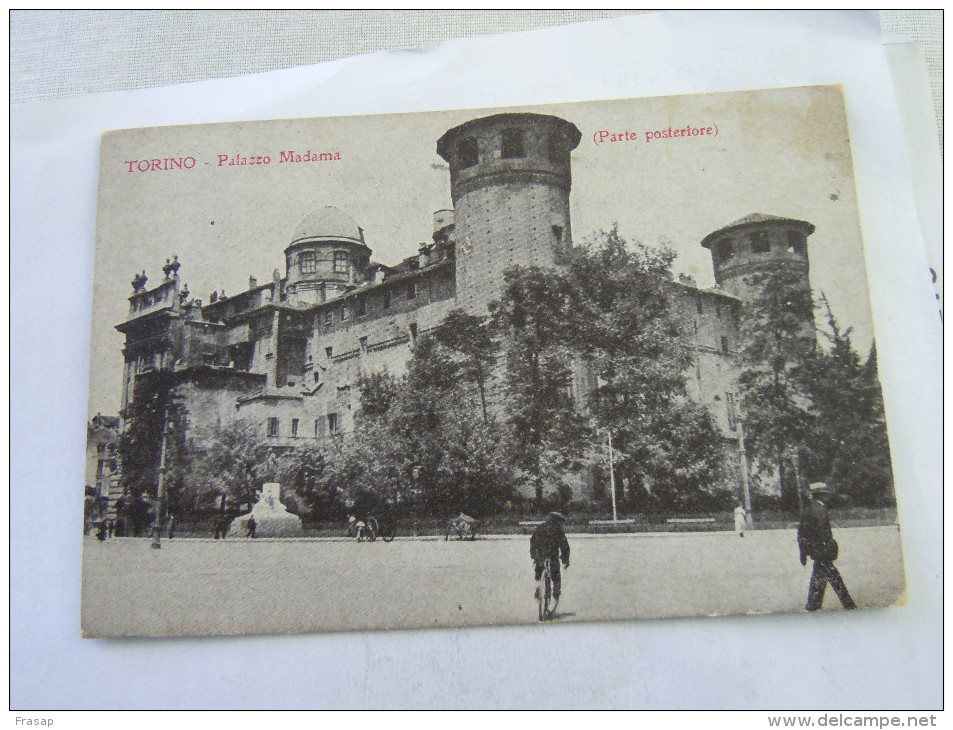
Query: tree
column 535, row 318
column 848, row 446
column 423, row 439
column 778, row 342
column 232, row 460
column 155, row 413
column 625, row 326
column 595, row 347
column 306, row 489
column 470, row 340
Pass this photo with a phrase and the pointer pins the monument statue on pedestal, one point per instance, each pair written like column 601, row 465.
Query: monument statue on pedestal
column 271, row 517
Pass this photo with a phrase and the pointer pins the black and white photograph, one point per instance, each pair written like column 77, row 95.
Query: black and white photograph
column 579, row 362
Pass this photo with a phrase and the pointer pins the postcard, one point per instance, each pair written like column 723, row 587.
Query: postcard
column 578, row 362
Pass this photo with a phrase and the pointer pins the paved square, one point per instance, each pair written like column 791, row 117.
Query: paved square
column 198, row 586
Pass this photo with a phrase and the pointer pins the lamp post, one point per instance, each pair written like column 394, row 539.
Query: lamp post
column 745, row 483
column 160, row 487
column 615, row 516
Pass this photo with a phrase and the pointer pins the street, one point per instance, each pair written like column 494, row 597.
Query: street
column 200, row 586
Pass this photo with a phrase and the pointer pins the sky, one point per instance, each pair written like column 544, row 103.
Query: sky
column 784, row 152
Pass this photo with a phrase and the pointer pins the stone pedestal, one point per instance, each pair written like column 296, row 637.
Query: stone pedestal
column 272, row 519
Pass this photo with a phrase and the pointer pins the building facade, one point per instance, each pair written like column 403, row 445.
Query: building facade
column 288, row 354
column 102, row 468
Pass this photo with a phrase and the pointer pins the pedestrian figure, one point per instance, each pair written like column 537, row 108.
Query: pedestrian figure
column 357, row 528
column 171, row 525
column 252, row 525
column 816, row 541
column 549, row 542
column 740, row 516
column 221, row 526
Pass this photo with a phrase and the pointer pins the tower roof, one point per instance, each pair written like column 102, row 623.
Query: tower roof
column 754, row 219
column 328, row 223
column 568, row 129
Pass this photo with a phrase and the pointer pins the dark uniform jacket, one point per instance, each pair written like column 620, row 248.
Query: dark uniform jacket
column 814, row 536
column 549, row 541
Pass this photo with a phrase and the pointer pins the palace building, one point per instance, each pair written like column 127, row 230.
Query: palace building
column 288, row 353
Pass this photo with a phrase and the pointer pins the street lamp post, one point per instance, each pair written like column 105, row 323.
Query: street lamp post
column 160, row 488
column 745, row 484
column 615, row 517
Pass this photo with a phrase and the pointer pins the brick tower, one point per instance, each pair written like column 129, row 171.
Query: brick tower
column 510, row 179
column 745, row 251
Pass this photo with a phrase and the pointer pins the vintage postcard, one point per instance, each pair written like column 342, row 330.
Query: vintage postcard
column 576, row 362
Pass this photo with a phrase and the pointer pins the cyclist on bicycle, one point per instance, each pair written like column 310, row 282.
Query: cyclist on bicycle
column 549, row 542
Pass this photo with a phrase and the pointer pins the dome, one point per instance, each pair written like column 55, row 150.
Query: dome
column 328, row 223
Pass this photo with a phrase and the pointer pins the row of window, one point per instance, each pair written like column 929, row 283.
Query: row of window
column 329, row 351
column 308, row 262
column 361, row 304
column 329, row 425
column 760, row 242
column 512, row 146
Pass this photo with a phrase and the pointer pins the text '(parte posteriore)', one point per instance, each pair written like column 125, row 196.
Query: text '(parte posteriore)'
column 607, row 136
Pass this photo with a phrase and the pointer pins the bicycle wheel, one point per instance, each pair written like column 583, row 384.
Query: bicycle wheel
column 544, row 592
column 541, row 601
column 547, row 592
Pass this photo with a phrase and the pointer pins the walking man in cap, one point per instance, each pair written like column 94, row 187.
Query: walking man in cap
column 816, row 541
column 549, row 542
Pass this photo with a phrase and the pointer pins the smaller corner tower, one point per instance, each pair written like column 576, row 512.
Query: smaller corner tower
column 757, row 245
column 510, row 179
column 746, row 252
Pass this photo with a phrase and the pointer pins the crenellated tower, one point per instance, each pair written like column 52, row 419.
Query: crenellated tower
column 510, row 179
column 746, row 252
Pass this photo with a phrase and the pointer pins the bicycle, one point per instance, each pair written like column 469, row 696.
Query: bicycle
column 464, row 527
column 544, row 593
column 361, row 529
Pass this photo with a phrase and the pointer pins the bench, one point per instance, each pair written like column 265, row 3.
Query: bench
column 613, row 525
column 528, row 526
column 690, row 523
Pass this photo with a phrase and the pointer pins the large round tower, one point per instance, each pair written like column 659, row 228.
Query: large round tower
column 327, row 255
column 510, row 179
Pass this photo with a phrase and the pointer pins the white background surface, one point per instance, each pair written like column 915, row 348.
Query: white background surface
column 888, row 659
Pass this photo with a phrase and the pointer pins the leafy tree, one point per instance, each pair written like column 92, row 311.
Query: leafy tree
column 848, row 446
column 778, row 343
column 471, row 342
column 232, row 460
column 156, row 408
column 306, row 489
column 626, row 328
column 535, row 318
column 422, row 440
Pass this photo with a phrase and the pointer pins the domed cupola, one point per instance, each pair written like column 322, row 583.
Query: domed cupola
column 326, row 256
